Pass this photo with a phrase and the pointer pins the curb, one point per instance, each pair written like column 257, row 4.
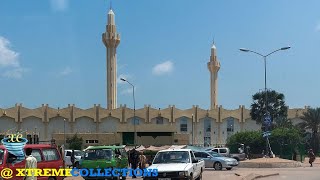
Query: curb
column 267, row 175
column 253, row 176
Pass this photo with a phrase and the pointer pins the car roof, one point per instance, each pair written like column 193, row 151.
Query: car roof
column 33, row 146
column 104, row 147
column 167, row 150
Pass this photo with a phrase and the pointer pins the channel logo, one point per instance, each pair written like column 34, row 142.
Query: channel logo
column 7, row 173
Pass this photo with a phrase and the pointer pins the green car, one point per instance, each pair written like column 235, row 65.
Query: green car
column 104, row 157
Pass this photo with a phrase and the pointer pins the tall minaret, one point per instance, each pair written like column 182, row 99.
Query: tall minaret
column 213, row 66
column 111, row 40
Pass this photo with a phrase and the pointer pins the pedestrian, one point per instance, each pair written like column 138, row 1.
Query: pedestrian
column 312, row 157
column 134, row 160
column 142, row 161
column 31, row 163
column 72, row 158
column 248, row 152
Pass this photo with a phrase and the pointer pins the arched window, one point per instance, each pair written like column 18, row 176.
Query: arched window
column 230, row 126
column 207, row 125
column 183, row 125
column 135, row 121
column 207, row 132
column 159, row 120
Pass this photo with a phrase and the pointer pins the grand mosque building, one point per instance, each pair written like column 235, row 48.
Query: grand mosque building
column 116, row 124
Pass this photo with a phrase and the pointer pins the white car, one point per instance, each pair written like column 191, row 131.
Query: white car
column 77, row 157
column 177, row 164
column 216, row 161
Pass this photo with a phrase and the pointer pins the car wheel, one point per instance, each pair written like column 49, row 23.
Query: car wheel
column 217, row 166
column 200, row 176
column 229, row 168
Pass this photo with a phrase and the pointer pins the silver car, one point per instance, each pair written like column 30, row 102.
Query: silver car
column 215, row 160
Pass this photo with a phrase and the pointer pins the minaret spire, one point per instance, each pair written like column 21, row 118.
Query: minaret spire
column 213, row 66
column 111, row 40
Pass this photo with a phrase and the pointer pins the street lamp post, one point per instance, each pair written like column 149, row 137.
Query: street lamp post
column 64, row 132
column 134, row 112
column 265, row 85
column 192, row 130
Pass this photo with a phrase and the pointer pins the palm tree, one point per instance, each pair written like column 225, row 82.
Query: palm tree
column 276, row 106
column 311, row 121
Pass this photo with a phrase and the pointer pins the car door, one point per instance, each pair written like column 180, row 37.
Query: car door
column 207, row 159
column 197, row 155
column 67, row 158
column 196, row 170
column 124, row 158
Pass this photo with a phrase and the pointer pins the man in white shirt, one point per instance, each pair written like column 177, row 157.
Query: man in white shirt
column 31, row 163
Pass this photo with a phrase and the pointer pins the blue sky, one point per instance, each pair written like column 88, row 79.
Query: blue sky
column 51, row 52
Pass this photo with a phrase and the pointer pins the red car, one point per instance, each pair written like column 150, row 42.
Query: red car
column 47, row 156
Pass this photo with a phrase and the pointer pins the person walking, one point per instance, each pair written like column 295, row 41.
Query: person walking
column 142, row 161
column 134, row 160
column 31, row 163
column 312, row 157
column 72, row 158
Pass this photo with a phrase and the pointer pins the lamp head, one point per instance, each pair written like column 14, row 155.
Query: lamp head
column 244, row 49
column 122, row 79
column 285, row 48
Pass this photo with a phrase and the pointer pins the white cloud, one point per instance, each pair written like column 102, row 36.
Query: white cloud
column 9, row 61
column 8, row 57
column 66, row 71
column 15, row 73
column 163, row 68
column 59, row 5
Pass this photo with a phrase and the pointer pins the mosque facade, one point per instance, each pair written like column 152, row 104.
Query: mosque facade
column 121, row 124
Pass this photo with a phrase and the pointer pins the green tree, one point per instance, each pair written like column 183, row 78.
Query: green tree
column 282, row 123
column 253, row 139
column 285, row 141
column 75, row 142
column 311, row 121
column 276, row 106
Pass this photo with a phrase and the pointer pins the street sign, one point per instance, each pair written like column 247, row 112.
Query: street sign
column 267, row 119
column 267, row 133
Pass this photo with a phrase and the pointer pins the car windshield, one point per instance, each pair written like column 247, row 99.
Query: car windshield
column 1, row 156
column 98, row 154
column 214, row 154
column 172, row 157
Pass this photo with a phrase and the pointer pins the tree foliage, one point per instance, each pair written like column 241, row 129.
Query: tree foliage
column 276, row 106
column 282, row 140
column 248, row 138
column 75, row 142
column 311, row 121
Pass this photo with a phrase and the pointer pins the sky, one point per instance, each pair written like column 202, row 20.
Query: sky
column 51, row 51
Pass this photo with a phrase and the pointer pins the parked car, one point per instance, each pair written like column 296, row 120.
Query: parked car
column 47, row 156
column 177, row 164
column 226, row 152
column 223, row 151
column 77, row 157
column 101, row 157
column 216, row 161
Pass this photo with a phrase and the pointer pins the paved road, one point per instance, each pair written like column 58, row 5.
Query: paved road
column 301, row 173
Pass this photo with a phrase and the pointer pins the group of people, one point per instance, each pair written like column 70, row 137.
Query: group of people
column 137, row 160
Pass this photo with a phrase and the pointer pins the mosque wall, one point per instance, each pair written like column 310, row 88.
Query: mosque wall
column 194, row 125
